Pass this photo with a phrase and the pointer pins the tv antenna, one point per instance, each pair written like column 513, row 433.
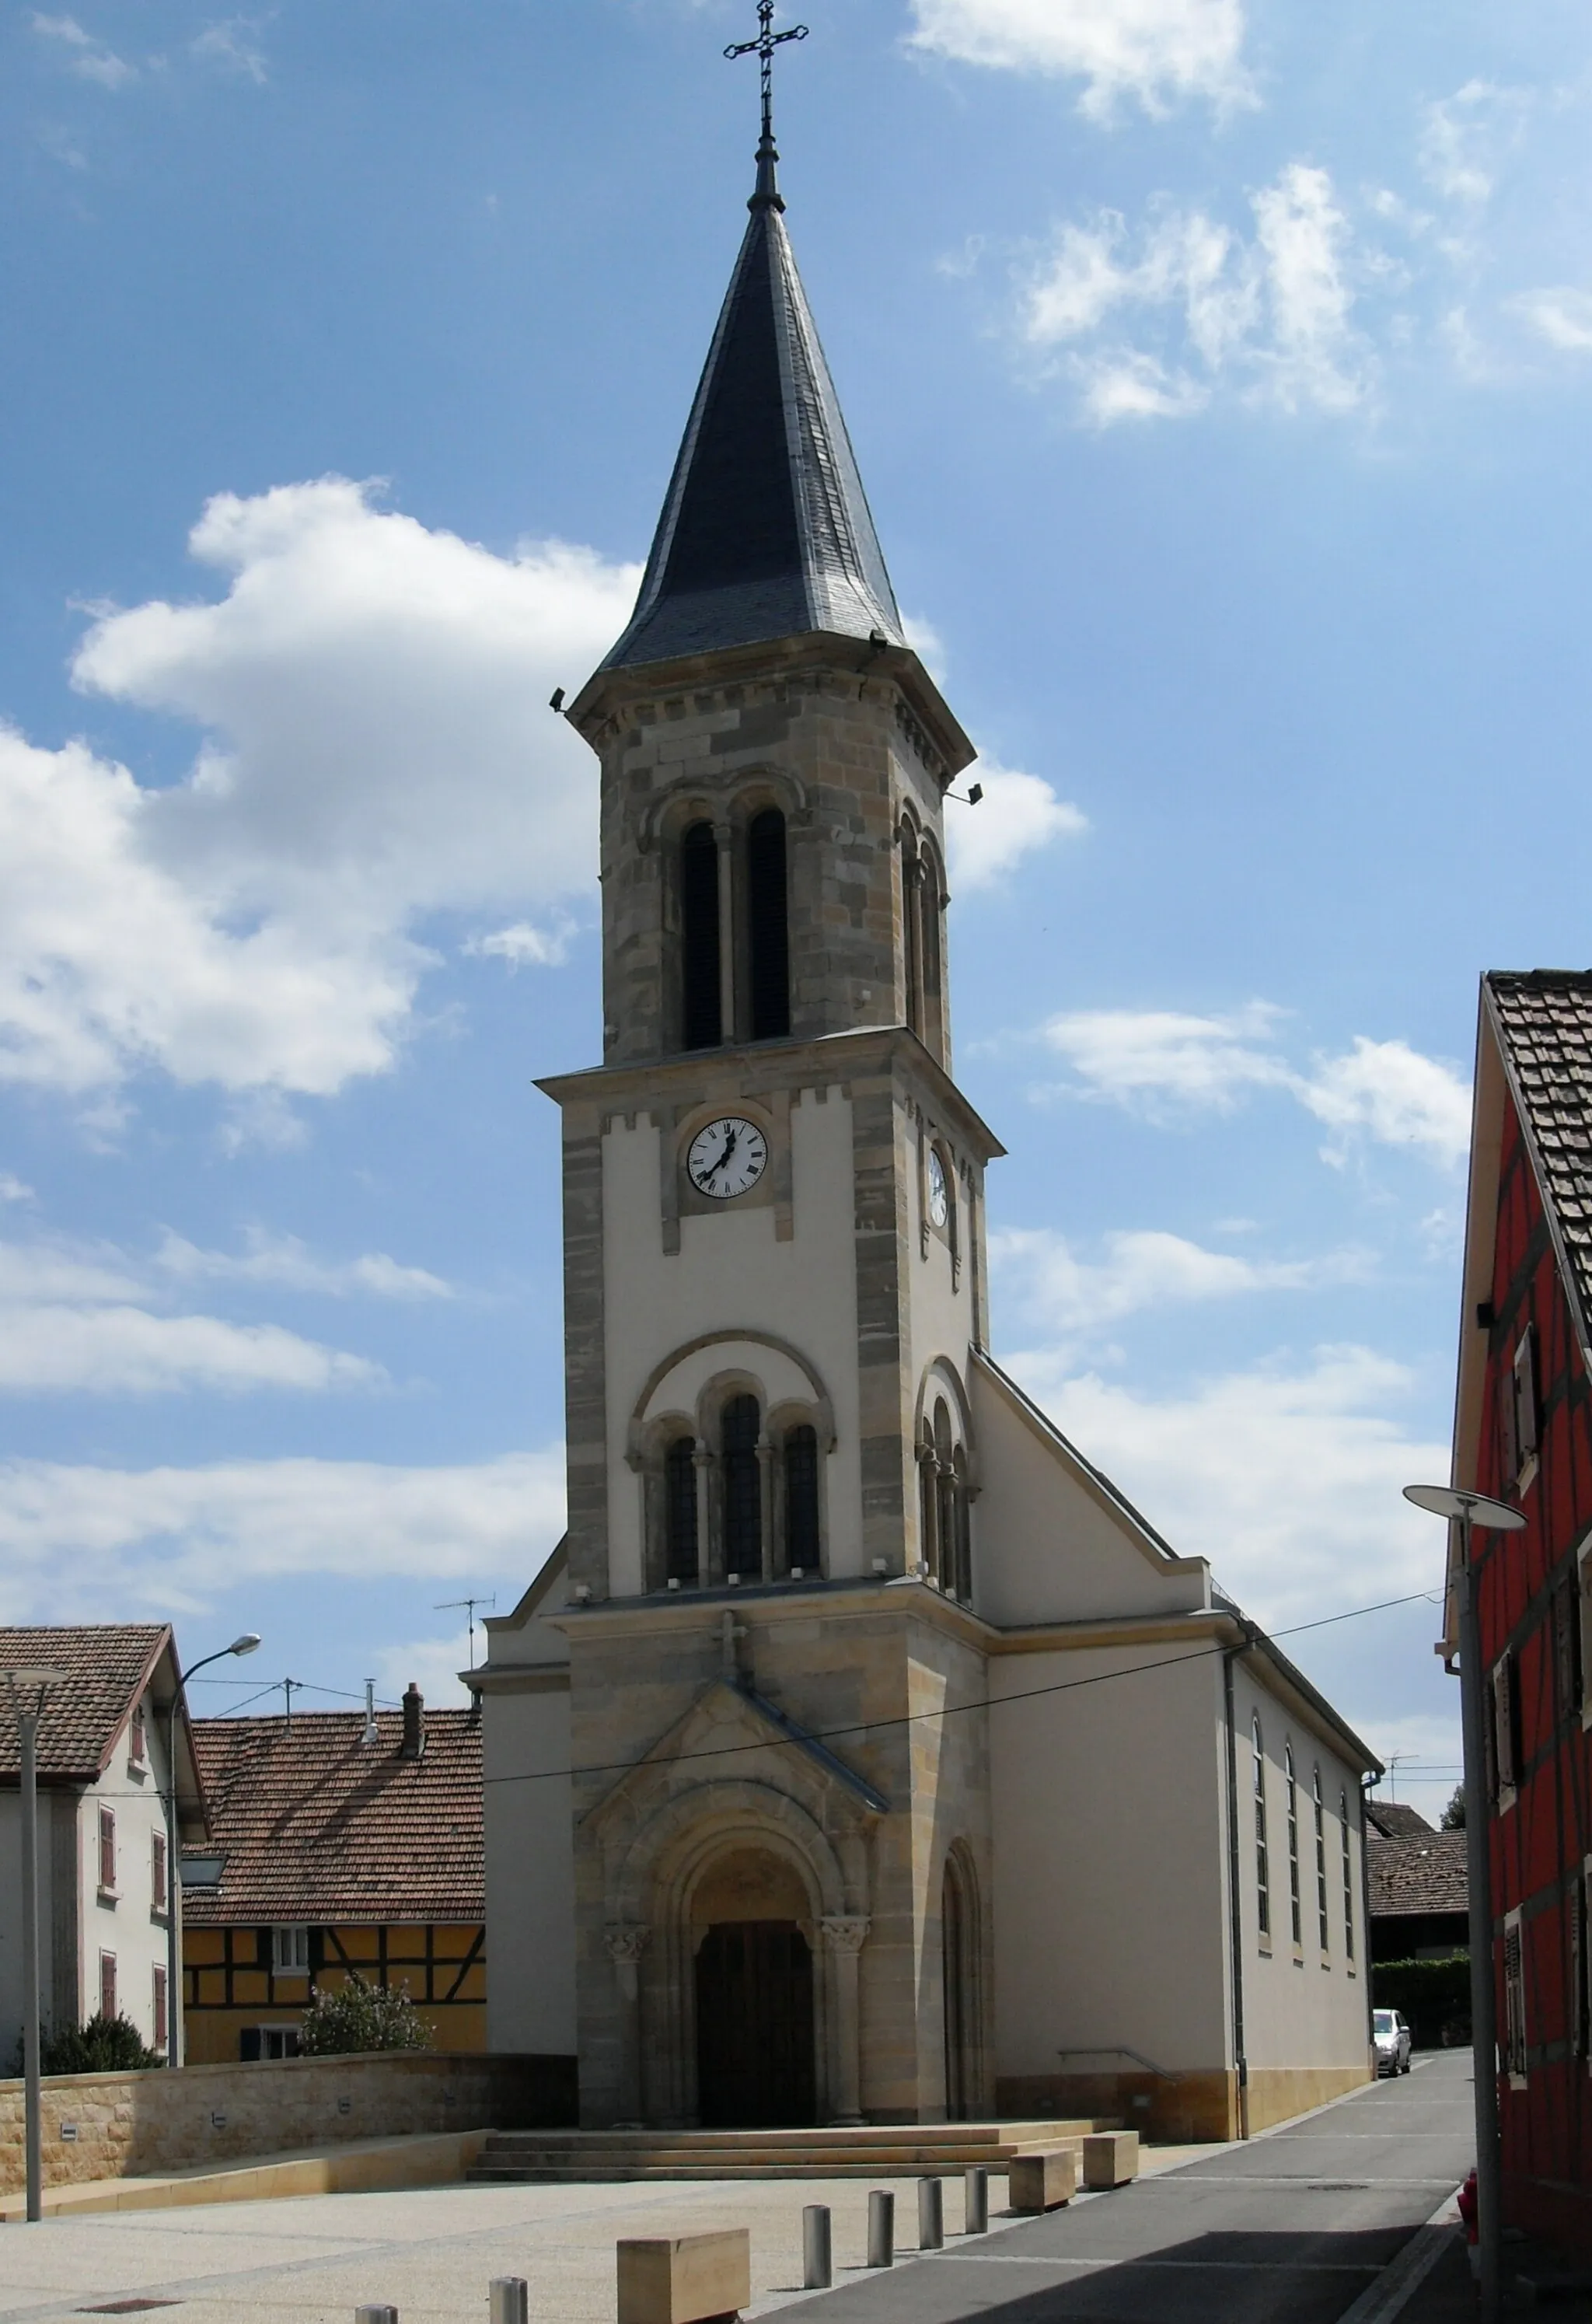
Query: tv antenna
column 452, row 1606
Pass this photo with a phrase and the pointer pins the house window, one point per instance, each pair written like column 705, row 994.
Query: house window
column 679, row 1481
column 107, row 1984
column 1515, row 2029
column 740, row 1426
column 768, row 926
column 1291, row 1798
column 258, row 2041
column 1345, row 1835
column 1567, row 1644
column 1504, row 1728
column 1527, row 1410
column 1321, row 1817
column 701, row 1000
column 137, row 1741
column 108, row 1851
column 801, row 1499
column 1263, row 1885
column 159, row 1896
column 158, row 2012
column 289, row 1951
column 1578, row 2016
column 945, row 1548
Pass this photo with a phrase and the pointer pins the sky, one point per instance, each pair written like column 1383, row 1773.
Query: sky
column 1220, row 376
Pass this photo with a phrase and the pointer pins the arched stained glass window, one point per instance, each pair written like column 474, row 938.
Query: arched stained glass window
column 768, row 926
column 679, row 1471
column 740, row 1427
column 802, row 1544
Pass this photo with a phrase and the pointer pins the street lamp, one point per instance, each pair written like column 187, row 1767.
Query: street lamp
column 244, row 1644
column 1470, row 1511
column 27, row 1685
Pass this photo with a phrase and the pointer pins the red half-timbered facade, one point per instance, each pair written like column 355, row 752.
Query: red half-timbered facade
column 1523, row 1434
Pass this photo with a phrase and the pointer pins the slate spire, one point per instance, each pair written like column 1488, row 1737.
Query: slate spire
column 766, row 531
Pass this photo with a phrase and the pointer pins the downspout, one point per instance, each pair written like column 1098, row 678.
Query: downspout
column 1235, row 1921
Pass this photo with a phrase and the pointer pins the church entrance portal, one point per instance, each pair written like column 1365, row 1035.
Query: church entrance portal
column 754, row 2028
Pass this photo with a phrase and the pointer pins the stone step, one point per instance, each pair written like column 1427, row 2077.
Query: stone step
column 895, row 2150
column 863, row 2137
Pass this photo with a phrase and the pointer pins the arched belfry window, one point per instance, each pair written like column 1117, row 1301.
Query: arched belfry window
column 802, row 1549
column 740, row 1426
column 912, row 926
column 702, row 1025
column 768, row 926
column 680, row 1551
column 944, row 1523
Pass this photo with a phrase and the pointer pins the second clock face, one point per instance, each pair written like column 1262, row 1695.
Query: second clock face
column 727, row 1158
column 939, row 1192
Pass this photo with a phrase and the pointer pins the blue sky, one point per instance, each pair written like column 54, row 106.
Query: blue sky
column 1220, row 376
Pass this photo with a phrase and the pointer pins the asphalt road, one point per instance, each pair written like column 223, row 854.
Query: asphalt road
column 1289, row 2230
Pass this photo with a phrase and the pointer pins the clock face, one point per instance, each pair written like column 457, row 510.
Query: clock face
column 939, row 1192
column 727, row 1158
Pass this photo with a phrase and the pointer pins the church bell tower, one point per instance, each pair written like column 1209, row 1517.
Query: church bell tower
column 775, row 1275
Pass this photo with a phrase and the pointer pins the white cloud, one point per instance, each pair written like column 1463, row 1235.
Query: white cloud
column 1393, row 1094
column 1562, row 316
column 1272, row 315
column 86, row 1540
column 286, row 1262
column 433, row 1664
column 232, row 46
column 13, row 1190
column 91, row 1319
column 90, row 59
column 1147, row 1058
column 1289, row 1480
column 1016, row 815
column 1156, row 52
column 377, row 748
column 1162, row 1063
column 112, row 1350
column 1466, row 138
column 524, row 945
column 1067, row 1297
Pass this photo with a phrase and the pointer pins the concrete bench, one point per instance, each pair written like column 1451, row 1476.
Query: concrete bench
column 1042, row 2179
column 684, row 2278
column 1111, row 2158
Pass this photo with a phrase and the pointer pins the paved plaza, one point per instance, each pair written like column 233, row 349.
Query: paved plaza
column 1293, row 2228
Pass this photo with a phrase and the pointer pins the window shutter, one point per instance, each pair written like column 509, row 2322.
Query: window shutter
column 1525, row 1398
column 107, row 1848
column 1577, row 2011
column 1515, row 2040
column 107, row 1984
column 1508, row 1431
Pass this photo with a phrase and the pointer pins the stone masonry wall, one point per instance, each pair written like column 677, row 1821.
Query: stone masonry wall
column 129, row 2125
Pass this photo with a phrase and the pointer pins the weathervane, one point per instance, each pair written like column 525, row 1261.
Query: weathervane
column 764, row 46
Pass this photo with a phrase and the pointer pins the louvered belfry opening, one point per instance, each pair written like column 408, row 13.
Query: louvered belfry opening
column 680, row 1511
column 742, row 1425
column 768, row 926
column 701, row 1006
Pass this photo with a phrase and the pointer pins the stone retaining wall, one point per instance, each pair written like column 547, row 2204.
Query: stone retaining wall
column 119, row 2126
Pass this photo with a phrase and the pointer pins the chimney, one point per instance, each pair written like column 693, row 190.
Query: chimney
column 413, row 1746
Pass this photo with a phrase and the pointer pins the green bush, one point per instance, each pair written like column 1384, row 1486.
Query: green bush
column 1434, row 1996
column 360, row 2017
column 105, row 2045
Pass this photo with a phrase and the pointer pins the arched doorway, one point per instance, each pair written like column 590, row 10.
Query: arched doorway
column 957, row 1974
column 755, row 2054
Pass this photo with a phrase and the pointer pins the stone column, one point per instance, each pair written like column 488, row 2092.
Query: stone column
column 766, row 1501
column 708, row 1571
column 729, row 1030
column 844, row 1936
column 625, row 1945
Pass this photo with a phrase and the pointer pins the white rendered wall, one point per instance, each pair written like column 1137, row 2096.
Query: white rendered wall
column 729, row 1270
column 127, row 1925
column 1109, row 1837
column 1302, row 2007
column 529, row 1873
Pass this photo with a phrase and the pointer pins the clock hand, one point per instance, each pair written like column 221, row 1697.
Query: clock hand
column 725, row 1157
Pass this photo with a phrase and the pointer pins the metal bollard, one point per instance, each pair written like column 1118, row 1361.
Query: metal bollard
column 881, row 2227
column 977, row 2222
column 508, row 2299
column 376, row 2314
column 931, row 2215
column 817, row 2263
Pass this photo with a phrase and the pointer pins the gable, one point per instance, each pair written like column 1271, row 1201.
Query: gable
column 1056, row 1541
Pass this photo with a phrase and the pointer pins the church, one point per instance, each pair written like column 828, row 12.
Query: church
column 861, row 1755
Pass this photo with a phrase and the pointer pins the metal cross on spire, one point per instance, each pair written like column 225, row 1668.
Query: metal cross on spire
column 763, row 48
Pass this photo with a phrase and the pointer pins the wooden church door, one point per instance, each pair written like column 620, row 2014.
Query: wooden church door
column 754, row 2028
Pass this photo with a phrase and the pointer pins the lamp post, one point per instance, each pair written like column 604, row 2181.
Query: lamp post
column 244, row 1644
column 27, row 1686
column 1470, row 1511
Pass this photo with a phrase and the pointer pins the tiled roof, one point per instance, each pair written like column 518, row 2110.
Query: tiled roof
column 318, row 1825
column 1425, row 1873
column 1394, row 1820
column 107, row 1666
column 1545, row 1022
